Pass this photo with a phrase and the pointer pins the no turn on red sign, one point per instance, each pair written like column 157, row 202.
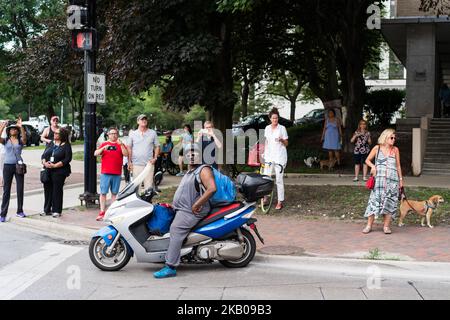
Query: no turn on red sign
column 96, row 91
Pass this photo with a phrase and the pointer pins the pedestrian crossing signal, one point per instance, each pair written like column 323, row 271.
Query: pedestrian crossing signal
column 82, row 40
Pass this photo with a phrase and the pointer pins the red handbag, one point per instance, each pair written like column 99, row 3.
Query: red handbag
column 370, row 184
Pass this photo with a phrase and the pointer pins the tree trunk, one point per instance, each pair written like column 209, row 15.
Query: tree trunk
column 244, row 97
column 293, row 107
column 222, row 111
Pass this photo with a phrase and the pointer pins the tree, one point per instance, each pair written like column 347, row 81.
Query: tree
column 438, row 6
column 21, row 20
column 288, row 86
column 185, row 46
column 50, row 69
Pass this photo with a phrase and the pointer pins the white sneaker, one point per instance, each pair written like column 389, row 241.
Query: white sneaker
column 355, row 179
column 180, row 174
column 56, row 215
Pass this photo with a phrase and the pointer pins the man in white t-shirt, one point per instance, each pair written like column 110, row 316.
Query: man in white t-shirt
column 275, row 152
column 143, row 147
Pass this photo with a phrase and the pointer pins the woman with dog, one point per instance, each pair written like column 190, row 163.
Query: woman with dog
column 388, row 180
column 361, row 139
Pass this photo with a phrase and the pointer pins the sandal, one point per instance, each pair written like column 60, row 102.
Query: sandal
column 387, row 230
column 279, row 206
column 367, row 229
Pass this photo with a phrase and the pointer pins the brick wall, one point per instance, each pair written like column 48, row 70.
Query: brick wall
column 407, row 8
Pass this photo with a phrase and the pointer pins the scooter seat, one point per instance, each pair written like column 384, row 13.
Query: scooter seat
column 219, row 212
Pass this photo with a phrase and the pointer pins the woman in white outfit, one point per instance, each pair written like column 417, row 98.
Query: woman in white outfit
column 275, row 153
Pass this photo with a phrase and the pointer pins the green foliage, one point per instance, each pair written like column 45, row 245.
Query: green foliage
column 21, row 20
column 439, row 6
column 197, row 113
column 123, row 109
column 381, row 105
column 4, row 110
column 234, row 5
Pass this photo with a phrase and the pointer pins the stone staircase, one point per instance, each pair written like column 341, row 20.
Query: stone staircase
column 437, row 150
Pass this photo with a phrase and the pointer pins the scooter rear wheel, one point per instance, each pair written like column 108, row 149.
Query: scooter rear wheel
column 249, row 252
column 115, row 261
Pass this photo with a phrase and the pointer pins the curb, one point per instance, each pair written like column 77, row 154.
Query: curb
column 41, row 190
column 59, row 229
column 73, row 232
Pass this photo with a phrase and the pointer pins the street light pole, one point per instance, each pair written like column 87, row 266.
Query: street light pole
column 90, row 195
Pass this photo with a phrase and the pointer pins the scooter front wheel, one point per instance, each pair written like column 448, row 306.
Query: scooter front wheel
column 249, row 252
column 115, row 260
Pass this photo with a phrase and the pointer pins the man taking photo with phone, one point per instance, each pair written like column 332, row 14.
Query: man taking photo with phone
column 112, row 152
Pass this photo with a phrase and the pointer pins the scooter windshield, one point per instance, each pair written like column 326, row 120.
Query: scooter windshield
column 132, row 187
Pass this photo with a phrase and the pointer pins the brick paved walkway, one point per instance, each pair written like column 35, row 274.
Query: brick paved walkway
column 293, row 235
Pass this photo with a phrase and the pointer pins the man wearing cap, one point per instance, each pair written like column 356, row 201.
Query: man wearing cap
column 143, row 147
column 49, row 132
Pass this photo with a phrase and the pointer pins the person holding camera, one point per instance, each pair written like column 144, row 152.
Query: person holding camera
column 15, row 140
column 56, row 160
column 362, row 140
column 209, row 142
column 112, row 152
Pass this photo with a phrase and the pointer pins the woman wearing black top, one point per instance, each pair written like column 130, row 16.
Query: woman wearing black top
column 56, row 159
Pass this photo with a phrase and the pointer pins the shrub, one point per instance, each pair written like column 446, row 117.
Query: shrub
column 381, row 105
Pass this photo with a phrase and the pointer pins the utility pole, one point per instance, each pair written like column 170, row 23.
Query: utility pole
column 82, row 22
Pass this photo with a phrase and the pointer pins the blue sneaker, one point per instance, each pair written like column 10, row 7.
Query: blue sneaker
column 21, row 215
column 165, row 272
column 2, row 219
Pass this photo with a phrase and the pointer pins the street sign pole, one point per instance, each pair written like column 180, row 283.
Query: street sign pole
column 90, row 195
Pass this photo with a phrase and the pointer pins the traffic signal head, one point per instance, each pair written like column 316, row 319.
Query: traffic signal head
column 79, row 20
column 82, row 40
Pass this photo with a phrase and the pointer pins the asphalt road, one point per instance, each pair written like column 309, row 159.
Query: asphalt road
column 36, row 266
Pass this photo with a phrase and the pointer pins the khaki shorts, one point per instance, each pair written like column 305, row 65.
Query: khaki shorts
column 148, row 181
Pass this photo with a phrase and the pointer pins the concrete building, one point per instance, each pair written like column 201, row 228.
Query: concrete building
column 421, row 40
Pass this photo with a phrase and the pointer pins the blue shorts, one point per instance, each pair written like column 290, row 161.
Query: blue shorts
column 108, row 181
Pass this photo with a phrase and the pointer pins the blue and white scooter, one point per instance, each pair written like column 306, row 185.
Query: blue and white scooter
column 223, row 235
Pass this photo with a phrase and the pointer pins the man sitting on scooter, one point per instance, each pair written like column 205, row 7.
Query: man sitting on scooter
column 190, row 206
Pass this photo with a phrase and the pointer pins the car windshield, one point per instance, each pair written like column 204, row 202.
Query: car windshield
column 310, row 114
column 248, row 120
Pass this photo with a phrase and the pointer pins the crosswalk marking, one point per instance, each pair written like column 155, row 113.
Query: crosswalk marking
column 19, row 275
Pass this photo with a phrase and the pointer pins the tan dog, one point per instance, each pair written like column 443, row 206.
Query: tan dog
column 327, row 163
column 423, row 208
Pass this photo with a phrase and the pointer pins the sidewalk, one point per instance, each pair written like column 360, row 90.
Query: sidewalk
column 283, row 235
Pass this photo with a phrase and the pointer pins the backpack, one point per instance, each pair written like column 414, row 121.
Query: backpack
column 161, row 219
column 226, row 190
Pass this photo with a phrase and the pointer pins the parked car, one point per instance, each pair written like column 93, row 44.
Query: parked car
column 257, row 122
column 33, row 136
column 314, row 116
